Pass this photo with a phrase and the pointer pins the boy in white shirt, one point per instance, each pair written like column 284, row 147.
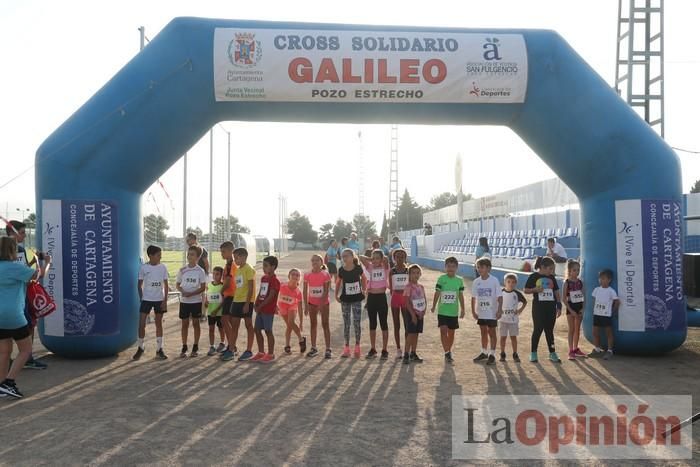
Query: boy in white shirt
column 605, row 302
column 514, row 303
column 153, row 293
column 486, row 309
column 191, row 283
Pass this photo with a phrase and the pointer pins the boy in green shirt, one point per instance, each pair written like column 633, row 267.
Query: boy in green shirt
column 214, row 302
column 448, row 291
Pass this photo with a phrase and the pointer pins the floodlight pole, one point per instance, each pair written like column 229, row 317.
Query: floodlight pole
column 142, row 37
column 211, row 184
column 228, row 190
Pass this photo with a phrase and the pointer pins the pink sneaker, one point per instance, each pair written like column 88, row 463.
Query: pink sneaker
column 357, row 351
column 257, row 357
column 578, row 353
column 346, row 352
column 267, row 358
column 572, row 355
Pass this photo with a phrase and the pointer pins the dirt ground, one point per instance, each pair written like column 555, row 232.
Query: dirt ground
column 296, row 411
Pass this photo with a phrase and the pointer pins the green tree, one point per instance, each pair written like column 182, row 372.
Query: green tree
column 301, row 230
column 695, row 188
column 30, row 220
column 445, row 199
column 195, row 230
column 384, row 233
column 409, row 213
column 155, row 228
column 342, row 229
column 235, row 227
column 364, row 227
column 326, row 232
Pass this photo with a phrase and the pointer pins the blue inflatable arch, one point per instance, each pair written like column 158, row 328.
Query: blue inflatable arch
column 92, row 171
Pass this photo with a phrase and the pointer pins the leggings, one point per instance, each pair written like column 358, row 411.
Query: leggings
column 377, row 306
column 354, row 309
column 543, row 320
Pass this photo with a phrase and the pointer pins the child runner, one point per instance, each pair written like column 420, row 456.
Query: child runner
column 242, row 307
column 378, row 274
column 153, row 293
column 229, row 291
column 398, row 280
column 573, row 299
column 213, row 303
column 331, row 260
column 448, row 291
column 413, row 313
column 265, row 307
column 191, row 283
column 546, row 306
column 290, row 305
column 486, row 309
column 317, row 284
column 513, row 304
column 605, row 303
column 350, row 291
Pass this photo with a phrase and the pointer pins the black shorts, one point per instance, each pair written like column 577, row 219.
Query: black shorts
column 147, row 306
column 492, row 323
column 16, row 334
column 408, row 323
column 237, row 310
column 450, row 321
column 214, row 320
column 332, row 268
column 577, row 307
column 226, row 306
column 602, row 321
column 190, row 310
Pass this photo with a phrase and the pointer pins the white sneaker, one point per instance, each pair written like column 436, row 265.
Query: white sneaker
column 399, row 354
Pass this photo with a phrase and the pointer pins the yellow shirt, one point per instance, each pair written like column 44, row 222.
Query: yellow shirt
column 244, row 274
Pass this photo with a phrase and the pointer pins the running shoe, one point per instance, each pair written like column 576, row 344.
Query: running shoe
column 533, row 357
column 245, row 356
column 516, row 357
column 415, row 358
column 287, row 350
column 572, row 355
column 371, row 354
column 491, row 360
column 480, row 357
column 406, row 359
column 399, row 354
column 227, row 355
column 578, row 353
column 313, row 352
column 385, row 355
column 10, row 389
column 160, row 355
column 553, row 357
column 328, row 354
column 448, row 357
column 503, row 357
column 183, row 352
column 33, row 364
column 608, row 355
column 258, row 356
column 138, row 354
column 595, row 353
column 268, row 358
column 221, row 348
column 212, row 351
column 195, row 351
column 302, row 345
column 346, row 352
column 358, row 351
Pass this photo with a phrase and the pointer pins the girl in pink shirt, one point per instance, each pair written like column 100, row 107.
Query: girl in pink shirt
column 413, row 313
column 377, row 307
column 288, row 305
column 317, row 284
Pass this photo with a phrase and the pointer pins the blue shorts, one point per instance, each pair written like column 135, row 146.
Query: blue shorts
column 264, row 321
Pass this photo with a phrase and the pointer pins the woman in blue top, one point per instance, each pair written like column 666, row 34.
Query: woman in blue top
column 482, row 249
column 332, row 259
column 14, row 277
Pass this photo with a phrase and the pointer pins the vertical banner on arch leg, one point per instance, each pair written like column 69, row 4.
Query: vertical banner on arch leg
column 649, row 265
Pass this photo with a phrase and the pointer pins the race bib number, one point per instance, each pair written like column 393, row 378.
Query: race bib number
column 576, row 296
column 399, row 281
column 353, row 288
column 448, row 298
column 287, row 300
column 316, row 292
column 547, row 295
column 264, row 286
column 156, row 285
column 378, row 275
column 602, row 309
column 214, row 297
column 509, row 315
column 418, row 304
column 239, row 281
column 484, row 305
